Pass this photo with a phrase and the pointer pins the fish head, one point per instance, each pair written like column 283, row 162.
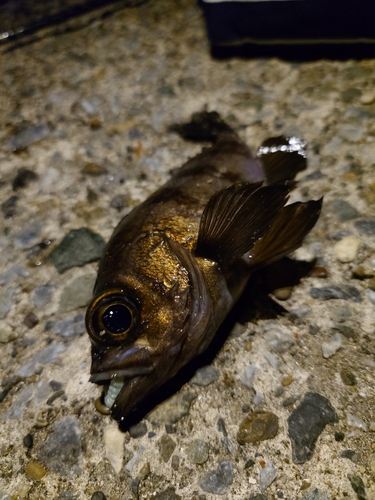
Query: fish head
column 143, row 315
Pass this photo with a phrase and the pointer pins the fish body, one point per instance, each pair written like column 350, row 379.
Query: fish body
column 176, row 265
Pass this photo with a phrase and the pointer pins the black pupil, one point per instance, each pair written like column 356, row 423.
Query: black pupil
column 117, row 318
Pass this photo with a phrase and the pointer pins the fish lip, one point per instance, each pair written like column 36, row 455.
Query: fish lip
column 127, row 373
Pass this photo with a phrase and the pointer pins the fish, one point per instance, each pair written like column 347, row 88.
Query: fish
column 178, row 262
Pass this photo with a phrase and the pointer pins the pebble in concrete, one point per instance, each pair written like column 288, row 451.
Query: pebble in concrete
column 114, row 446
column 267, row 476
column 35, row 471
column 358, row 486
column 41, row 295
column 205, row 376
column 28, row 237
column 62, row 450
column 166, row 446
column 316, row 494
column 77, row 293
column 330, row 347
column 172, row 410
column 345, row 292
column 306, row 423
column 346, row 249
column 197, row 451
column 7, row 297
column 258, row 426
column 343, row 210
column 217, row 481
column 76, row 249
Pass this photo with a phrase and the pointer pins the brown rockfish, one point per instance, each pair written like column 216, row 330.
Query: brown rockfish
column 177, row 263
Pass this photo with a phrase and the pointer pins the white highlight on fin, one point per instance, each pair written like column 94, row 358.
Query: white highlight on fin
column 295, row 145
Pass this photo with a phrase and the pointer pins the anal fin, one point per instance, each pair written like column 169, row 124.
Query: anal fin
column 286, row 232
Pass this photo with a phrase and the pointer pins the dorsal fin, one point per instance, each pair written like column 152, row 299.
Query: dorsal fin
column 235, row 218
column 282, row 158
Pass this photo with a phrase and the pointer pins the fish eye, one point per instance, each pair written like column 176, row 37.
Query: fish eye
column 117, row 318
column 112, row 317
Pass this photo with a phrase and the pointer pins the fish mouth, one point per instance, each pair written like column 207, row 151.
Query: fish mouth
column 105, row 378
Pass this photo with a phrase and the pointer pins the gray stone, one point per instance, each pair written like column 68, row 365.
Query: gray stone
column 7, row 297
column 67, row 495
column 217, row 481
column 77, row 293
column 358, row 486
column 351, row 455
column 345, row 292
column 28, row 136
column 205, row 376
column 289, row 401
column 238, row 330
column 168, row 494
column 20, row 403
column 28, row 237
column 341, row 314
column 44, row 357
column 330, row 347
column 365, row 226
column 13, row 273
column 267, row 476
column 98, row 495
column 197, row 451
column 343, row 210
column 138, row 430
column 306, row 423
column 248, row 376
column 69, row 327
column 352, row 133
column 76, row 249
column 166, row 446
column 172, row 410
column 62, row 450
column 279, row 340
column 23, row 178
column 316, row 494
column 41, row 295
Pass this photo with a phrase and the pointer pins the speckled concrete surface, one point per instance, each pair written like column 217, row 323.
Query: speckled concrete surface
column 88, row 113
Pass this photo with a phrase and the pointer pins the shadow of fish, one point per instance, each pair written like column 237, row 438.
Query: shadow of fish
column 176, row 264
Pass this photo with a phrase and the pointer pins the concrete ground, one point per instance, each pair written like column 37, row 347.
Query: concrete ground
column 83, row 140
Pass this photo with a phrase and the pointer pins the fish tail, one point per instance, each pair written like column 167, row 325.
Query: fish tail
column 282, row 158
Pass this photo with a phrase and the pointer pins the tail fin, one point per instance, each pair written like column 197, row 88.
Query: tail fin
column 282, row 158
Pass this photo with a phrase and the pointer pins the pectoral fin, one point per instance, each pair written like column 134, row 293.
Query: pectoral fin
column 235, row 218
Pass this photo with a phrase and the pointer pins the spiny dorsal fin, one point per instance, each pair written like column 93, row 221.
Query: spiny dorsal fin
column 235, row 218
column 286, row 233
column 282, row 158
column 203, row 126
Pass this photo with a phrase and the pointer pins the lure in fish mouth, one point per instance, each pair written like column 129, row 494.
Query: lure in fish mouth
column 175, row 265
